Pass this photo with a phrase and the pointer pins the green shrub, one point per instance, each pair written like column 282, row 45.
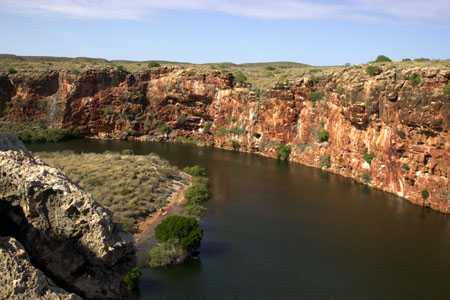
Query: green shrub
column 322, row 135
column 181, row 121
column 317, row 96
column 237, row 130
column 368, row 157
column 131, row 279
column 196, row 171
column 325, row 161
column 366, row 178
column 283, row 152
column 164, row 128
column 222, row 131
column 207, row 127
column 153, row 64
column 121, row 68
column 373, row 70
column 382, row 58
column 425, row 194
column 270, row 68
column 185, row 230
column 75, row 71
column 240, row 77
column 12, row 71
column 165, row 253
column 447, row 89
column 108, row 110
column 406, row 167
column 421, row 59
column 415, row 79
column 35, row 135
column 235, row 144
column 197, row 192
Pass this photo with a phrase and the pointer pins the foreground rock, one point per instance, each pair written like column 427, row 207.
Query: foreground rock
column 389, row 130
column 67, row 236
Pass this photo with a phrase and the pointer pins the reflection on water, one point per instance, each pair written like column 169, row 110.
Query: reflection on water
column 285, row 231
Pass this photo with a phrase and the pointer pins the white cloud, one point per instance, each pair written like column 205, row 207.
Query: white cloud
column 410, row 10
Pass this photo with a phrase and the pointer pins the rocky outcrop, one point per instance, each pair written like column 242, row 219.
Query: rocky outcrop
column 66, row 235
column 390, row 131
column 21, row 280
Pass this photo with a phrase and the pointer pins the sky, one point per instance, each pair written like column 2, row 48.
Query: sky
column 321, row 32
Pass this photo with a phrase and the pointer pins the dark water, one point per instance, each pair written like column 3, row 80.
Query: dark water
column 284, row 231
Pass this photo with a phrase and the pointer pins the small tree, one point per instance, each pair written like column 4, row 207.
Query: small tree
column 235, row 144
column 368, row 157
column 382, row 58
column 240, row 77
column 153, row 64
column 322, row 135
column 186, row 230
column 283, row 152
column 425, row 194
column 12, row 71
column 415, row 79
column 131, row 279
column 196, row 171
column 373, row 70
column 197, row 192
column 447, row 89
column 325, row 161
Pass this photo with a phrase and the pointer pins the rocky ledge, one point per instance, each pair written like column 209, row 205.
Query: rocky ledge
column 56, row 242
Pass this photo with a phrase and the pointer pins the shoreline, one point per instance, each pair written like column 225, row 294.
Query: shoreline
column 144, row 238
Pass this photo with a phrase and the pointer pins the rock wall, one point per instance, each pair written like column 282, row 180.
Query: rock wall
column 53, row 232
column 390, row 130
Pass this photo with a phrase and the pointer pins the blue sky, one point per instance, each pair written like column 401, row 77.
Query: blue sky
column 315, row 32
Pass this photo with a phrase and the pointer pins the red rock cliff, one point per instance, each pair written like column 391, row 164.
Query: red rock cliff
column 387, row 130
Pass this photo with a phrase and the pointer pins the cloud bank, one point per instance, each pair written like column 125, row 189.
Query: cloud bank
column 398, row 10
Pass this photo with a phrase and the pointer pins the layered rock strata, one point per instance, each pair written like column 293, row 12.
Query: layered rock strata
column 390, row 130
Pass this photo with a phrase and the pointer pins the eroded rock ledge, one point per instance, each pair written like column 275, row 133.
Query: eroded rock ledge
column 69, row 239
column 400, row 123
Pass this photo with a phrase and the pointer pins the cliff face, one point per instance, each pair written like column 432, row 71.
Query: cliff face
column 390, row 131
column 50, row 226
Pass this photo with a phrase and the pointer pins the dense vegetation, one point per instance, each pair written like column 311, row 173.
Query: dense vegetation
column 31, row 134
column 283, row 152
column 131, row 279
column 131, row 186
column 185, row 230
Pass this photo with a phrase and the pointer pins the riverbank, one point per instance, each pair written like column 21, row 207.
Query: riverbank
column 145, row 236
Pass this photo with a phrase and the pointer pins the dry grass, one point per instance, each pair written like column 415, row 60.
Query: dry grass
column 131, row 186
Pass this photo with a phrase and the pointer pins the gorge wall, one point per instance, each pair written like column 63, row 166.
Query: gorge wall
column 389, row 130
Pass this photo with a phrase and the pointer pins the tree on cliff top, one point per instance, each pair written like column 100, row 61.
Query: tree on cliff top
column 382, row 58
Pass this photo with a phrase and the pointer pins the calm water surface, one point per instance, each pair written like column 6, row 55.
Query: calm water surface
column 285, row 231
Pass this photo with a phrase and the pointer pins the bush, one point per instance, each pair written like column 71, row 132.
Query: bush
column 447, row 89
column 325, row 161
column 75, row 71
column 181, row 121
column 131, row 279
column 165, row 253
column 322, row 135
column 283, row 152
column 317, row 96
column 196, row 171
column 382, row 58
column 121, row 68
column 406, row 167
column 270, row 68
column 368, row 157
column 197, row 192
column 415, row 79
column 12, row 71
column 207, row 127
column 108, row 110
column 366, row 178
column 164, row 128
column 425, row 194
column 237, row 130
column 184, row 230
column 240, row 77
column 222, row 131
column 153, row 64
column 45, row 135
column 235, row 144
column 373, row 70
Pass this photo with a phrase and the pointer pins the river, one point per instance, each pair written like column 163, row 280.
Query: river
column 285, row 231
